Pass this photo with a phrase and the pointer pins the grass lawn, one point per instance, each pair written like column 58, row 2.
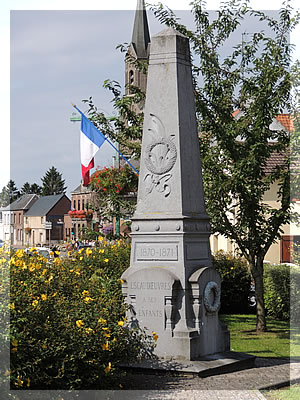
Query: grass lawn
column 290, row 393
column 280, row 340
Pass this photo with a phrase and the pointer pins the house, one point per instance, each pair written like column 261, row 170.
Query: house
column 47, row 209
column 80, row 215
column 13, row 221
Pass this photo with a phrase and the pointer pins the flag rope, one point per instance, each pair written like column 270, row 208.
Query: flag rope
column 124, row 158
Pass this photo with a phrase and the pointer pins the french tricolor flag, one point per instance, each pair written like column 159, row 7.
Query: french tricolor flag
column 90, row 141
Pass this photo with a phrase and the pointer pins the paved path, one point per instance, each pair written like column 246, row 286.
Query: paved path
column 243, row 385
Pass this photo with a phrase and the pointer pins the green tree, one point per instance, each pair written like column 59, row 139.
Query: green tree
column 53, row 183
column 256, row 79
column 25, row 189
column 35, row 189
column 12, row 191
column 4, row 197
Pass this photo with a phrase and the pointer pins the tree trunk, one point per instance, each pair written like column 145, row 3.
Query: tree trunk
column 258, row 276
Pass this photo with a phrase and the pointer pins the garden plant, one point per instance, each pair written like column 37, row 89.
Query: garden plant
column 68, row 320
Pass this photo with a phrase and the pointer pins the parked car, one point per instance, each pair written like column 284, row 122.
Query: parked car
column 43, row 251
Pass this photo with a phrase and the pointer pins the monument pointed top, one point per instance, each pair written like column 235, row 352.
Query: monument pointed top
column 140, row 35
column 169, row 32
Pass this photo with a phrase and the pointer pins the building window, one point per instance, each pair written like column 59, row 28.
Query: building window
column 289, row 245
column 82, row 201
column 19, row 218
column 78, row 204
column 131, row 77
column 42, row 220
column 74, row 204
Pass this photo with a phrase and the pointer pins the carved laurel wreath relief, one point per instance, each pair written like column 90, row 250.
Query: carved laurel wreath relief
column 160, row 158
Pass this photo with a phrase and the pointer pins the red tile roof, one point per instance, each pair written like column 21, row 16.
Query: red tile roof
column 286, row 121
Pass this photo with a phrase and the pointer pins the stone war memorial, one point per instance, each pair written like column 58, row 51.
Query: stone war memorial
column 171, row 287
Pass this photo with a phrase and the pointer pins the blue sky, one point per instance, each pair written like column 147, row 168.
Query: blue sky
column 60, row 54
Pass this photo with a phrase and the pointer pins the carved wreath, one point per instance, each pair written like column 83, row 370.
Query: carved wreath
column 160, row 158
column 212, row 291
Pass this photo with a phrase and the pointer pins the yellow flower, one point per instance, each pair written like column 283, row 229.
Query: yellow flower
column 102, row 321
column 88, row 330
column 14, row 343
column 35, row 303
column 28, row 382
column 88, row 252
column 106, row 260
column 101, row 251
column 44, row 346
column 69, row 253
column 155, row 336
column 85, row 293
column 80, row 251
column 12, row 306
column 121, row 281
column 19, row 381
column 120, row 323
column 20, row 253
column 44, row 271
column 14, row 349
column 87, row 299
column 54, row 294
column 105, row 346
column 100, row 238
column 107, row 335
column 108, row 368
column 79, row 323
column 44, row 297
column 81, row 258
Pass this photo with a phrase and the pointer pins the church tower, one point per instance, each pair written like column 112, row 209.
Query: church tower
column 138, row 50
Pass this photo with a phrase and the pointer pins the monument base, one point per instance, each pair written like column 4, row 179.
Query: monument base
column 214, row 364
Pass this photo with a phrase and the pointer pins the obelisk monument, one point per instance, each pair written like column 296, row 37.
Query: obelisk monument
column 171, row 286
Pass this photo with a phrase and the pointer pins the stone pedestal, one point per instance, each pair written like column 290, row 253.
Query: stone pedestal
column 171, row 286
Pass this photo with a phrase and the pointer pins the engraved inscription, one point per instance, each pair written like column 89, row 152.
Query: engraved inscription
column 150, row 285
column 156, row 251
column 150, row 313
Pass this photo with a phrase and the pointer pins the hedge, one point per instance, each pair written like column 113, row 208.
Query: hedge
column 236, row 282
column 282, row 292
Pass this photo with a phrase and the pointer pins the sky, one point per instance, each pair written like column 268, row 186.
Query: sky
column 55, row 53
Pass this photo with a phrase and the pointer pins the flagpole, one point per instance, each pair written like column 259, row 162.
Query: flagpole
column 124, row 158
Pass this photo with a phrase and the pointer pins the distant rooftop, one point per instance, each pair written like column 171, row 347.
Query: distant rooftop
column 43, row 205
column 22, row 203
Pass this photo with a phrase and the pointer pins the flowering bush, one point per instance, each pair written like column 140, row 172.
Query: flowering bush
column 68, row 327
column 112, row 185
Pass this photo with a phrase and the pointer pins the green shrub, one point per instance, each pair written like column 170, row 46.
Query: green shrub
column 67, row 320
column 282, row 292
column 277, row 291
column 295, row 294
column 236, row 282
